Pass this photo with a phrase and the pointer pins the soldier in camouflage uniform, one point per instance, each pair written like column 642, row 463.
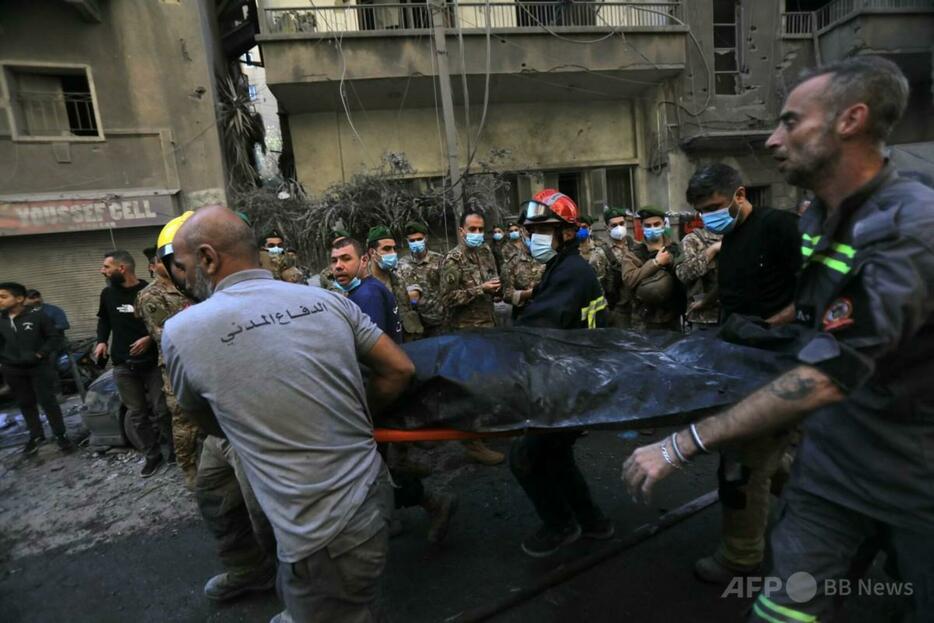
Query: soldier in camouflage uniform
column 421, row 270
column 155, row 304
column 469, row 283
column 592, row 252
column 520, row 274
column 497, row 243
column 271, row 252
column 697, row 270
column 618, row 295
column 383, row 263
column 648, row 270
column 515, row 242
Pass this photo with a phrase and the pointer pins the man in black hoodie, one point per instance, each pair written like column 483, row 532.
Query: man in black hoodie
column 136, row 370
column 28, row 340
column 568, row 296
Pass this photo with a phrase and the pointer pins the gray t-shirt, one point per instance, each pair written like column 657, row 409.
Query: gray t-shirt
column 277, row 363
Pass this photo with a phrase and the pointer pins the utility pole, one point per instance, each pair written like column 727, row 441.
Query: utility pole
column 438, row 8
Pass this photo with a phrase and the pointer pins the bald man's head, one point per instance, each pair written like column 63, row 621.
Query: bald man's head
column 213, row 244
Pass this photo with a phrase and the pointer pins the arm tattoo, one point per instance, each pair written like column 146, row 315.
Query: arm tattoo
column 792, row 386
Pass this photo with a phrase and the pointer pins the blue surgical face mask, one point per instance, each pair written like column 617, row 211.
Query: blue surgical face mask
column 498, row 236
column 513, row 235
column 388, row 261
column 583, row 234
column 653, row 233
column 719, row 221
column 353, row 285
column 541, row 248
column 417, row 246
column 473, row 240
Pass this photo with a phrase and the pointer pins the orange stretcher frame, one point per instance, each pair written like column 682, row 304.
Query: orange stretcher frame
column 392, row 435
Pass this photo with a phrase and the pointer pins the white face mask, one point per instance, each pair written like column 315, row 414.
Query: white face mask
column 618, row 232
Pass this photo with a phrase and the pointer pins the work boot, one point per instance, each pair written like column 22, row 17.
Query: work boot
column 547, row 540
column 32, row 446
column 64, row 443
column 715, row 570
column 151, row 466
column 477, row 451
column 599, row 530
column 223, row 586
column 440, row 507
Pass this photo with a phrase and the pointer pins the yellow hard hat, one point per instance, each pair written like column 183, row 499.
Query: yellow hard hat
column 167, row 235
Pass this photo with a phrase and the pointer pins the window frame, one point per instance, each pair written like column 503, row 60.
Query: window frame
column 10, row 66
column 736, row 24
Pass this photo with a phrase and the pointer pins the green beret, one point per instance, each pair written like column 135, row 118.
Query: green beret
column 649, row 211
column 413, row 227
column 613, row 213
column 243, row 217
column 273, row 233
column 586, row 220
column 337, row 234
column 380, row 232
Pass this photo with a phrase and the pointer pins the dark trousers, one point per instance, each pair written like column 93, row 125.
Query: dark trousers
column 816, row 543
column 32, row 386
column 545, row 467
column 141, row 392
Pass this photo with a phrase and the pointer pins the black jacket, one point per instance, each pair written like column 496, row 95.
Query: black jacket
column 25, row 336
column 569, row 295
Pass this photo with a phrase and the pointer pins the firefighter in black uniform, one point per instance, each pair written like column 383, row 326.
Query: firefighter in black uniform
column 864, row 473
column 567, row 297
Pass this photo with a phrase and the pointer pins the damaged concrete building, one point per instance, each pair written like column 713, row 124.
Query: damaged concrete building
column 107, row 131
column 614, row 103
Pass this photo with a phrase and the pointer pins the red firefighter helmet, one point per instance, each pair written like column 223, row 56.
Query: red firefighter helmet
column 549, row 206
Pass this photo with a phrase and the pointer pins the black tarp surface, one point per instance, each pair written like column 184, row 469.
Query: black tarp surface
column 498, row 380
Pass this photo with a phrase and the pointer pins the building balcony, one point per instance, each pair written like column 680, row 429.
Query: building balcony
column 841, row 27
column 532, row 51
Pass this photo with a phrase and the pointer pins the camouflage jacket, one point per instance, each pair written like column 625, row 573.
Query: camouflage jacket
column 463, row 272
column 411, row 324
column 597, row 259
column 699, row 276
column 639, row 271
column 426, row 272
column 155, row 304
column 510, row 249
column 521, row 272
column 617, row 294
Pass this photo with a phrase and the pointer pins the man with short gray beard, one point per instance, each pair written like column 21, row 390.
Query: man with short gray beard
column 303, row 429
column 863, row 335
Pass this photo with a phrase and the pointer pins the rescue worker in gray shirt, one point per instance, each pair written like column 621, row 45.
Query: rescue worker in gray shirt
column 303, row 429
column 864, row 329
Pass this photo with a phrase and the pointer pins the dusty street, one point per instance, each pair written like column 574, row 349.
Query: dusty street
column 85, row 539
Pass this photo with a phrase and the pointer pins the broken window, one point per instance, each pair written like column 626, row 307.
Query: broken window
column 725, row 36
column 51, row 102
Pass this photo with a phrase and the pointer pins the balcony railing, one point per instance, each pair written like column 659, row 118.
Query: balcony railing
column 57, row 113
column 389, row 18
column 800, row 23
column 842, row 9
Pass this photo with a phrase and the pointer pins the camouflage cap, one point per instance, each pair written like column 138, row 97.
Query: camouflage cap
column 414, row 227
column 613, row 213
column 649, row 211
column 380, row 232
